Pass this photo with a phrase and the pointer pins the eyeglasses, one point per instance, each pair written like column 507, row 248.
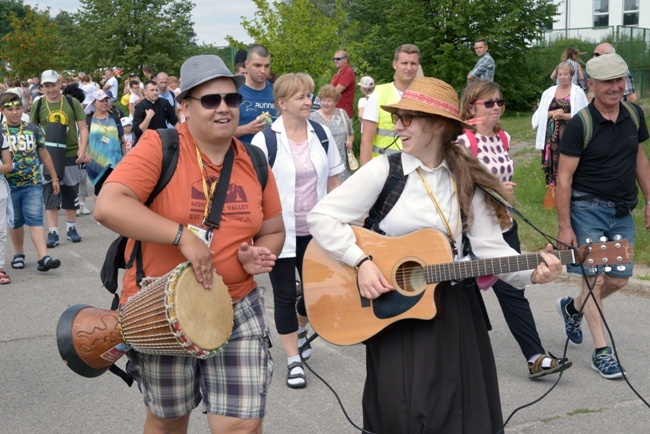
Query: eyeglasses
column 405, row 118
column 12, row 104
column 212, row 101
column 336, row 59
column 490, row 103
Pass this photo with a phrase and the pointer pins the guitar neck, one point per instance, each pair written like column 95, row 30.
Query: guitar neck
column 484, row 267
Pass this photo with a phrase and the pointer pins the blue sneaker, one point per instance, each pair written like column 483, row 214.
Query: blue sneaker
column 605, row 363
column 73, row 235
column 571, row 322
column 52, row 239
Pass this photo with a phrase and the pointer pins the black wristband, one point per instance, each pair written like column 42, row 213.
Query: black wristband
column 360, row 263
column 179, row 234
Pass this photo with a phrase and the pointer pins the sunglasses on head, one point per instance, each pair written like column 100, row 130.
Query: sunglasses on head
column 212, row 101
column 405, row 118
column 490, row 103
column 12, row 104
column 340, row 58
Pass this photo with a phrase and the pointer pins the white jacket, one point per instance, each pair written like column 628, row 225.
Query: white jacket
column 578, row 101
column 285, row 173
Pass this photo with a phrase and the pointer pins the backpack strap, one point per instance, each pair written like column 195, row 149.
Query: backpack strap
column 634, row 114
column 271, row 140
column 390, row 193
column 169, row 138
column 587, row 125
column 260, row 164
column 472, row 141
column 504, row 140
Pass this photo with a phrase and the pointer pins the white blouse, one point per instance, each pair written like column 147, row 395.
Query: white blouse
column 328, row 221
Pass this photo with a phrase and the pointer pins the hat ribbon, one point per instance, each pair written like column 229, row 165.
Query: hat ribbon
column 429, row 100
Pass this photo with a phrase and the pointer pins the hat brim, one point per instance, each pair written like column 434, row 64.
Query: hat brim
column 239, row 80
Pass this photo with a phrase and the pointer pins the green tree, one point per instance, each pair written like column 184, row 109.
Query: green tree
column 128, row 34
column 445, row 31
column 6, row 8
column 32, row 44
column 300, row 37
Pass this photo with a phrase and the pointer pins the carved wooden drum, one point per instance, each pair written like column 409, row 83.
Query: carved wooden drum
column 171, row 315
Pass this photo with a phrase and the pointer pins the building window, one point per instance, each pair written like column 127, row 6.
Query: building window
column 631, row 13
column 601, row 13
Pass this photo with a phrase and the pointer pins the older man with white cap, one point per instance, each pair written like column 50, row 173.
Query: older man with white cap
column 233, row 383
column 601, row 160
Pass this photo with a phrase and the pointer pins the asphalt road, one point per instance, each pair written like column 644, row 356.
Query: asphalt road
column 39, row 394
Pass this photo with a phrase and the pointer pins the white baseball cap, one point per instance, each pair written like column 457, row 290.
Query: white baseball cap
column 50, row 76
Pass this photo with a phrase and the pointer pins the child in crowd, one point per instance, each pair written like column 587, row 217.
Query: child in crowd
column 27, row 147
column 129, row 137
column 367, row 86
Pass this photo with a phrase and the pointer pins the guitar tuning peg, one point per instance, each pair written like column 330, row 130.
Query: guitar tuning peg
column 603, row 239
column 593, row 269
column 620, row 268
column 619, row 259
column 618, row 237
column 588, row 241
column 607, row 269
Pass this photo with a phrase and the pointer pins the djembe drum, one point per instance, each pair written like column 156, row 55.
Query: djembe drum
column 171, row 315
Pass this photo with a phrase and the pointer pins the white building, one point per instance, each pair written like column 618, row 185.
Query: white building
column 601, row 13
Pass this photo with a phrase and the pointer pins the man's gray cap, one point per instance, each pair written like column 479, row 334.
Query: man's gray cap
column 606, row 67
column 201, row 69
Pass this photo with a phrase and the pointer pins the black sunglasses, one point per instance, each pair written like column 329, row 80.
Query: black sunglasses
column 340, row 58
column 212, row 101
column 490, row 103
column 405, row 118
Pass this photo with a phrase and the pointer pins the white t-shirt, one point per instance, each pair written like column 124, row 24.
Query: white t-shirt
column 113, row 83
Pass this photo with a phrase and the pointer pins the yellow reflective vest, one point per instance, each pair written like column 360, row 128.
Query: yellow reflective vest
column 384, row 141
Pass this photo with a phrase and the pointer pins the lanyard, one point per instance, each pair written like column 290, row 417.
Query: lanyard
column 208, row 191
column 450, row 234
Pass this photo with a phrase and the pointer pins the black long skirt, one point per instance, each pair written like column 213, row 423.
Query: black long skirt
column 435, row 376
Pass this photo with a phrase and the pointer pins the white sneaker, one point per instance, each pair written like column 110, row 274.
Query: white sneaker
column 84, row 210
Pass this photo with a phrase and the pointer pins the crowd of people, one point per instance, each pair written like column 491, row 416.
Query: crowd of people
column 429, row 160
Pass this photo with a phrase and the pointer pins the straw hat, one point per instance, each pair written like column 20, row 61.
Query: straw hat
column 429, row 95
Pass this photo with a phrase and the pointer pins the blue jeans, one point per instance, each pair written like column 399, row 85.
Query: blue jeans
column 28, row 206
column 595, row 218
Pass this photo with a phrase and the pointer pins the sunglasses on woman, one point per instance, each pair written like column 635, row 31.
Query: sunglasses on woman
column 405, row 118
column 212, row 101
column 490, row 103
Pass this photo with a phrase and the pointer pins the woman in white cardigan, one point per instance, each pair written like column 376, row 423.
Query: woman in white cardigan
column 558, row 105
column 304, row 173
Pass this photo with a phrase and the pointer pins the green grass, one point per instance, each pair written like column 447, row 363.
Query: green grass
column 531, row 189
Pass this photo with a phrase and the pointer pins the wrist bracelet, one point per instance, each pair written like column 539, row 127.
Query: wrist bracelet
column 360, row 263
column 179, row 234
column 55, row 180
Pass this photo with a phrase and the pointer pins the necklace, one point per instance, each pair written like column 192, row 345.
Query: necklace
column 104, row 127
column 450, row 233
column 20, row 139
column 47, row 106
column 208, row 191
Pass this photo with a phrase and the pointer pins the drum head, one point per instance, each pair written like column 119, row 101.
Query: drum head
column 205, row 316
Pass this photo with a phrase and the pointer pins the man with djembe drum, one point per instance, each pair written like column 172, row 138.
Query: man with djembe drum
column 232, row 384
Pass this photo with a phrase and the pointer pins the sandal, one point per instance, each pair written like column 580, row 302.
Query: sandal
column 47, row 263
column 305, row 349
column 537, row 368
column 300, row 376
column 4, row 278
column 18, row 262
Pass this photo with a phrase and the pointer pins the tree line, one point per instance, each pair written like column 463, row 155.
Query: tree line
column 301, row 35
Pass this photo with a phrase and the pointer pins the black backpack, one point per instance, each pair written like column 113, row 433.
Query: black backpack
column 115, row 254
column 272, row 141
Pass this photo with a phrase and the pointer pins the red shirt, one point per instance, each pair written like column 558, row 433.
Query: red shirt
column 346, row 77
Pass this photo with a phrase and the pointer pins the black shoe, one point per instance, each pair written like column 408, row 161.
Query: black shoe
column 48, row 263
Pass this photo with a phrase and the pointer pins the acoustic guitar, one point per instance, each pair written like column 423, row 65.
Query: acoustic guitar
column 415, row 264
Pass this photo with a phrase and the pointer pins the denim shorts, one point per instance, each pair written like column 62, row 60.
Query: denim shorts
column 28, row 206
column 595, row 218
column 233, row 383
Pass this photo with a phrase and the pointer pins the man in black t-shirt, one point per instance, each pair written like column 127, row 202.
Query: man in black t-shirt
column 596, row 193
column 152, row 112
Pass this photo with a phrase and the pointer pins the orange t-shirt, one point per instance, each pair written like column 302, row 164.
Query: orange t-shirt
column 183, row 201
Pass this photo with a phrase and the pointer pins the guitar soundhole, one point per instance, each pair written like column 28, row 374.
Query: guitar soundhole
column 410, row 277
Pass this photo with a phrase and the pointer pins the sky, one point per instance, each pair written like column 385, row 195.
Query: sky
column 213, row 19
